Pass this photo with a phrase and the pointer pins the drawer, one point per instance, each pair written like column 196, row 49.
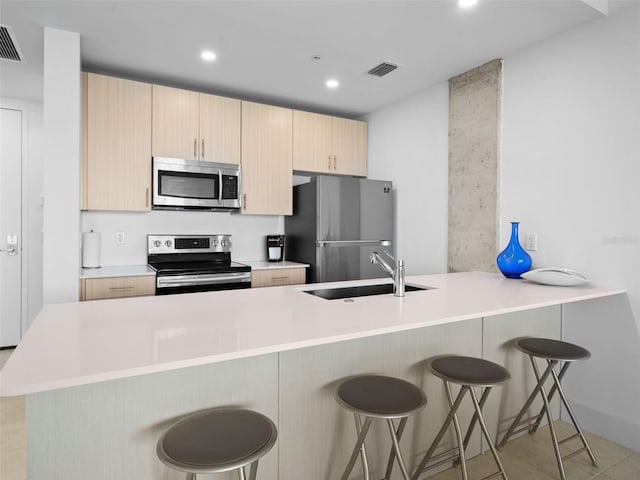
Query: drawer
column 278, row 276
column 117, row 287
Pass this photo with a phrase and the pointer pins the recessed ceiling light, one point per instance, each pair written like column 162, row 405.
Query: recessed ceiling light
column 467, row 3
column 208, row 55
column 332, row 83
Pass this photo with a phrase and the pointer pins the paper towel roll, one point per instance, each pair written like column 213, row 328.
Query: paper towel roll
column 91, row 249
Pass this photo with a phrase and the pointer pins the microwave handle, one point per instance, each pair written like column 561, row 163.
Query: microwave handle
column 219, row 186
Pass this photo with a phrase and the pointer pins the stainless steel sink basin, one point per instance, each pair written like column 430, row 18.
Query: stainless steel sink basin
column 338, row 293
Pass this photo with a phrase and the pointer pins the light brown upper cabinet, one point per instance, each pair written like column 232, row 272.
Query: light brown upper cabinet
column 116, row 163
column 267, row 136
column 326, row 144
column 195, row 126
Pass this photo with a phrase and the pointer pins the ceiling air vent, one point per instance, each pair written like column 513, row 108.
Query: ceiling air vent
column 382, row 69
column 9, row 48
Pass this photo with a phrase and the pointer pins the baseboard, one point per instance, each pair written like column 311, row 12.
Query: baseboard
column 615, row 429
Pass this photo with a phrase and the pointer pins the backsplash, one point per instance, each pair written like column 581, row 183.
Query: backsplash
column 248, row 231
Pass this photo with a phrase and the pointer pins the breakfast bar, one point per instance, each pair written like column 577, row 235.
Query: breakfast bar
column 104, row 379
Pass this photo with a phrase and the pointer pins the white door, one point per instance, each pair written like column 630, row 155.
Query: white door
column 10, row 226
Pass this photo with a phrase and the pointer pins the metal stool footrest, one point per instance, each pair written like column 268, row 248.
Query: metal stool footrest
column 573, row 454
column 451, row 455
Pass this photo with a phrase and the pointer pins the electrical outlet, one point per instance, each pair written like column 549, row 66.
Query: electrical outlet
column 120, row 238
column 531, row 242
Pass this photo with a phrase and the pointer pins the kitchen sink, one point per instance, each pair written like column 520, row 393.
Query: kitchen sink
column 337, row 293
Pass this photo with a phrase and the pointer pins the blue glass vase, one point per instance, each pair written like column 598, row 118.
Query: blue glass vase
column 514, row 260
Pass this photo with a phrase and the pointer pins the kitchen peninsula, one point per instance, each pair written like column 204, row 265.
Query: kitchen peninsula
column 103, row 379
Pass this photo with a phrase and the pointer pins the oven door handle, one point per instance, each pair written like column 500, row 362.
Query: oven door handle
column 220, row 186
column 185, row 280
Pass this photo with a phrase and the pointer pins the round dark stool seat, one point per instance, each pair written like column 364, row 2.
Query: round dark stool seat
column 469, row 371
column 217, row 440
column 379, row 397
column 553, row 349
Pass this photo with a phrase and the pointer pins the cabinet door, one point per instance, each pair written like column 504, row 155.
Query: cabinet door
column 175, row 123
column 117, row 287
column 312, row 142
column 267, row 159
column 275, row 277
column 350, row 146
column 118, row 144
column 219, row 129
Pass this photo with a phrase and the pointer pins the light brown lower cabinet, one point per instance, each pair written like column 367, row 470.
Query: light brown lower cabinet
column 117, row 287
column 279, row 276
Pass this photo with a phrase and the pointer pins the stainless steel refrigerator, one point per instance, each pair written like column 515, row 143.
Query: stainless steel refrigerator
column 337, row 222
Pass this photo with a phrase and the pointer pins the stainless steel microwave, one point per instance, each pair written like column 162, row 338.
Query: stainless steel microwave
column 190, row 184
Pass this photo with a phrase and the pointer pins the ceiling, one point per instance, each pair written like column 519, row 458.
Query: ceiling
column 264, row 48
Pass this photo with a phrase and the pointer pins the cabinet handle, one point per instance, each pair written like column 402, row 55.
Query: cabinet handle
column 329, row 162
column 335, row 162
column 244, row 201
column 195, row 148
column 279, row 278
column 202, row 151
column 129, row 287
column 146, row 198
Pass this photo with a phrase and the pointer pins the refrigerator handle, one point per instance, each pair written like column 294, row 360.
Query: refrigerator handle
column 353, row 243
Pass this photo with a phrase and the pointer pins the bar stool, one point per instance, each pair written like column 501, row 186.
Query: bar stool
column 377, row 396
column 554, row 352
column 217, row 440
column 468, row 372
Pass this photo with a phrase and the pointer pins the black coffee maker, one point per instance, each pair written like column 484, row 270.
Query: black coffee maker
column 275, row 248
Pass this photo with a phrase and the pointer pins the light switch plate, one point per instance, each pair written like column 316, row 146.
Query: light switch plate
column 120, row 238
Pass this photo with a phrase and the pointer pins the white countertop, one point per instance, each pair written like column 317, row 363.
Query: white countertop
column 266, row 265
column 116, row 271
column 79, row 343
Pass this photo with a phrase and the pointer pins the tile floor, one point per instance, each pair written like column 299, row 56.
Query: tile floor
column 529, row 457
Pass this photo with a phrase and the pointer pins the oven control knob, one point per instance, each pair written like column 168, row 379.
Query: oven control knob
column 215, row 243
column 157, row 243
column 224, row 243
column 168, row 243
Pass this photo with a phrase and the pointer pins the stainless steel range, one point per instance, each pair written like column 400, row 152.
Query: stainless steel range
column 195, row 263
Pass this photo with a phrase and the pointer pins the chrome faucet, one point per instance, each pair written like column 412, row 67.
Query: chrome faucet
column 397, row 273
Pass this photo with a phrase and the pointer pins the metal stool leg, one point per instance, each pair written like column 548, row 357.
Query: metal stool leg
column 483, row 399
column 396, row 448
column 359, row 448
column 552, row 392
column 450, row 417
column 483, row 426
column 253, row 471
column 574, row 420
column 518, row 420
column 242, row 474
column 456, row 425
column 392, row 453
column 547, row 409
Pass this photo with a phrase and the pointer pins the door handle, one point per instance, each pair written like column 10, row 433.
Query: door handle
column 10, row 251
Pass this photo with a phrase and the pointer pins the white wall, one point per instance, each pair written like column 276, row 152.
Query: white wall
column 248, row 232
column 570, row 173
column 408, row 144
column 61, row 247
